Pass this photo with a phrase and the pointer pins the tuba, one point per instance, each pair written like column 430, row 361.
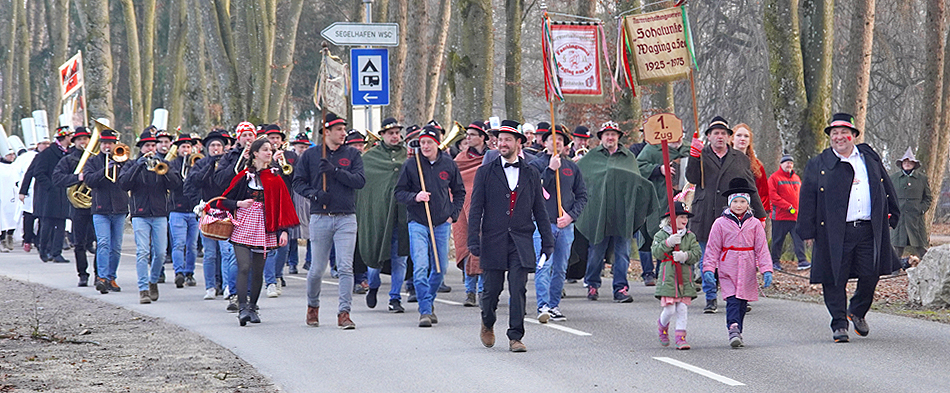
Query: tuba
column 79, row 194
column 457, row 134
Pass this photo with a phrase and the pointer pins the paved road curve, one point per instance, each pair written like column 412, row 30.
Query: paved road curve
column 606, row 347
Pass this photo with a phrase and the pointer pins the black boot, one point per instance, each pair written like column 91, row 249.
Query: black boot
column 244, row 315
column 252, row 312
column 371, row 297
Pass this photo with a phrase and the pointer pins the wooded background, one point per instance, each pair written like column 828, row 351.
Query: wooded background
column 781, row 66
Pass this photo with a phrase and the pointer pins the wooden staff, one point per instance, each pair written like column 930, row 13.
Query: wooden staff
column 422, row 181
column 692, row 87
column 323, row 109
column 557, row 177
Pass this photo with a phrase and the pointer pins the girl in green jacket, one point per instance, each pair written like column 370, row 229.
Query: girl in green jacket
column 674, row 287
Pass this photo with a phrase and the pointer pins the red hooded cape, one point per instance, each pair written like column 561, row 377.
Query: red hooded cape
column 279, row 210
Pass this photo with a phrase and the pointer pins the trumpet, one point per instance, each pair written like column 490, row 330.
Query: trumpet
column 155, row 164
column 285, row 168
column 372, row 138
column 241, row 161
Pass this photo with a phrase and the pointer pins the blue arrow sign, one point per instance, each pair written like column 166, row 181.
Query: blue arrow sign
column 370, row 76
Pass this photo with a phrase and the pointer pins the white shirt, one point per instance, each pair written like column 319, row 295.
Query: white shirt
column 859, row 202
column 511, row 173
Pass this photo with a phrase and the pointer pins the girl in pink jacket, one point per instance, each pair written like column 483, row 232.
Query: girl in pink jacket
column 737, row 247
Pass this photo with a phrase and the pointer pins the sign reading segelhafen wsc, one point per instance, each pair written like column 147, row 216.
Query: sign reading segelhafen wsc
column 362, row 34
column 659, row 42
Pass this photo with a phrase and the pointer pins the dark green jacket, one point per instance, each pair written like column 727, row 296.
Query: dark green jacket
column 376, row 208
column 666, row 284
column 914, row 198
column 650, row 160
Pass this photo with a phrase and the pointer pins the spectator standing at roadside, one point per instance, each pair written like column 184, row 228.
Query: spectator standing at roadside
column 784, row 187
column 914, row 198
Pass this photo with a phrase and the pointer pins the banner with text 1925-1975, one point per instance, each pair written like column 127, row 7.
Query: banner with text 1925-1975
column 660, row 44
column 72, row 90
column 578, row 61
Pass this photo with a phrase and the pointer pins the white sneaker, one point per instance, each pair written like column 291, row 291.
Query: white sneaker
column 272, row 290
column 543, row 314
column 227, row 292
column 209, row 294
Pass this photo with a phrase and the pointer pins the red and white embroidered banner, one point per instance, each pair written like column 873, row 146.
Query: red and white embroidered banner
column 577, row 53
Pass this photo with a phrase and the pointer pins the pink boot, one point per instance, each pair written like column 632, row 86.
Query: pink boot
column 664, row 333
column 681, row 340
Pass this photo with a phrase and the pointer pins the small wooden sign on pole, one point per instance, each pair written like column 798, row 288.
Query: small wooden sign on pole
column 663, row 129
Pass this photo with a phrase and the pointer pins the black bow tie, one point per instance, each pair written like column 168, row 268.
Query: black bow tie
column 516, row 164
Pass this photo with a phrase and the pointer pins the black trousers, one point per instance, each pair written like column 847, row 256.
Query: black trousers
column 83, row 235
column 28, row 234
column 495, row 283
column 781, row 228
column 250, row 264
column 52, row 232
column 857, row 259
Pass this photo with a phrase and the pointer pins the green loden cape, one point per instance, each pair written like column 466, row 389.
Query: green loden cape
column 376, row 207
column 619, row 200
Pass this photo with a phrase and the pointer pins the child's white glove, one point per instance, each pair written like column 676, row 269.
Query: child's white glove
column 675, row 239
column 680, row 256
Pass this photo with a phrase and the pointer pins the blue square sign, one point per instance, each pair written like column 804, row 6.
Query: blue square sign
column 370, row 76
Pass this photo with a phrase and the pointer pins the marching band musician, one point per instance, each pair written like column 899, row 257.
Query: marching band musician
column 300, row 144
column 148, row 204
column 581, row 144
column 110, row 206
column 219, row 254
column 182, row 223
column 50, row 203
column 83, row 231
column 277, row 258
column 245, row 133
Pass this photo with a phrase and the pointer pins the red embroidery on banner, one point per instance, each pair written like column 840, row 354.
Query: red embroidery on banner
column 567, row 172
column 344, row 162
column 444, row 175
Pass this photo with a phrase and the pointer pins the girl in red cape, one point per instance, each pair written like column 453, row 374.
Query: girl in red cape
column 263, row 210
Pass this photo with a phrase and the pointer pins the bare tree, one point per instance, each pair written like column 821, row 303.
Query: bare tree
column 513, row 104
column 817, row 50
column 787, row 76
column 289, row 14
column 398, row 76
column 23, row 45
column 859, row 62
column 98, row 59
column 135, row 65
column 473, row 61
column 437, row 59
column 932, row 152
column 9, row 59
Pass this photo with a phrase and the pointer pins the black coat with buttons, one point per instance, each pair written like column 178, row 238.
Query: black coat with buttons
column 491, row 224
column 823, row 209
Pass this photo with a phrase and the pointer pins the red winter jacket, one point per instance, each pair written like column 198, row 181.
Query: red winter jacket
column 783, row 192
column 763, row 186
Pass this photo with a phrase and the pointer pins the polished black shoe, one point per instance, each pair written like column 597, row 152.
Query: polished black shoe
column 45, row 258
column 444, row 288
column 60, row 259
column 179, row 280
column 840, row 336
column 254, row 317
column 83, row 281
column 371, row 297
column 292, row 269
column 244, row 316
column 860, row 325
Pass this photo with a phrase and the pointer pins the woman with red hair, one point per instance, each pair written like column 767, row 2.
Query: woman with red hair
column 742, row 141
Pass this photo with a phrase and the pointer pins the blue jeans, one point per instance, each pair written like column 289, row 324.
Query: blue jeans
column 151, row 239
column 549, row 279
column 424, row 278
column 474, row 284
column 646, row 260
column 595, row 261
column 325, row 232
column 219, row 253
column 274, row 264
column 184, row 230
column 709, row 288
column 398, row 270
column 109, row 228
column 292, row 253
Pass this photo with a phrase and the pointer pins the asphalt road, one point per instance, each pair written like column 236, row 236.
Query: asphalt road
column 603, row 347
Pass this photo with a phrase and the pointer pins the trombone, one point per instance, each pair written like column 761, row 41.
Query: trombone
column 120, row 154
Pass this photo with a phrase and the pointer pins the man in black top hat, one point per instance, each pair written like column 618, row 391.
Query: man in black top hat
column 710, row 169
column 846, row 204
column 219, row 264
column 83, row 231
column 50, row 203
column 507, row 206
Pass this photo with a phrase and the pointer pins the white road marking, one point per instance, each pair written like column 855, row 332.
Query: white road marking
column 558, row 327
column 449, row 302
column 700, row 371
column 305, row 279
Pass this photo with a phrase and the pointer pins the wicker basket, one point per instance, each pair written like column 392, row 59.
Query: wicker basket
column 216, row 226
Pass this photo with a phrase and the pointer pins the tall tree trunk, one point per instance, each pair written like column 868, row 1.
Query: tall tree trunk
column 859, row 63
column 175, row 60
column 98, row 61
column 939, row 170
column 284, row 55
column 475, row 72
column 415, row 110
column 220, row 42
column 196, row 112
column 57, row 24
column 786, row 73
column 398, row 76
column 25, row 102
column 930, row 151
column 148, row 55
column 135, row 65
column 9, row 59
column 513, row 59
column 817, row 52
column 437, row 59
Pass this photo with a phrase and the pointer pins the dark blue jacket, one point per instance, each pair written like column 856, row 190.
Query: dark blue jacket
column 441, row 177
column 107, row 196
column 149, row 191
column 342, row 182
column 573, row 190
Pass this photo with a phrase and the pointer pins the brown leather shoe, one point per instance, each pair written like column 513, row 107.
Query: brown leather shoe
column 488, row 337
column 153, row 292
column 517, row 346
column 143, row 297
column 343, row 321
column 313, row 316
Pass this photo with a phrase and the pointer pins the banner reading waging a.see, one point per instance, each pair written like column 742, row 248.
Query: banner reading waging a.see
column 659, row 42
column 578, row 61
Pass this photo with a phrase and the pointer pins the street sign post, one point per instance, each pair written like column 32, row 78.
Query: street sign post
column 362, row 34
column 370, row 76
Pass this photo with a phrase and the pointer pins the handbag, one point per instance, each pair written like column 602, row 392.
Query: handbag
column 214, row 223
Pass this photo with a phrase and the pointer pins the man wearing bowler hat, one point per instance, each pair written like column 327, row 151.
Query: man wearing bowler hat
column 847, row 202
column 507, row 206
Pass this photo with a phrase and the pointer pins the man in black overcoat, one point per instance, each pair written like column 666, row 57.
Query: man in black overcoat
column 50, row 203
column 847, row 202
column 507, row 205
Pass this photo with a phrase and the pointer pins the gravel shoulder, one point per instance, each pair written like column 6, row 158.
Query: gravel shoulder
column 53, row 340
